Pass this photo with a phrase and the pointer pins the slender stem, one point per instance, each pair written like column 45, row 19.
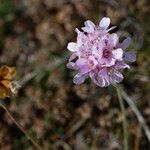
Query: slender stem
column 137, row 113
column 20, row 127
column 124, row 123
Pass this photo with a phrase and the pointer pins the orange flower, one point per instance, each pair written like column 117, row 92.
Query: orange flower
column 7, row 75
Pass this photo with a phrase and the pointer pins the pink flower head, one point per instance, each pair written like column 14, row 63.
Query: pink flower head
column 98, row 54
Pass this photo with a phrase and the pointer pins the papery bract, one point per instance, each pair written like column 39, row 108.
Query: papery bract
column 7, row 83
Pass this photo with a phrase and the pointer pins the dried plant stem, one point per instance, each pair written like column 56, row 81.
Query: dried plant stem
column 124, row 121
column 38, row 147
column 137, row 113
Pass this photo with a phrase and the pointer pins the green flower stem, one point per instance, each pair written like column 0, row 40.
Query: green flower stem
column 38, row 147
column 124, row 121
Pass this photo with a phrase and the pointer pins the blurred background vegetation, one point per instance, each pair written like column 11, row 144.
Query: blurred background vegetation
column 61, row 115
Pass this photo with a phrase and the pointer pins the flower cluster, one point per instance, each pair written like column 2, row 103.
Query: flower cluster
column 98, row 54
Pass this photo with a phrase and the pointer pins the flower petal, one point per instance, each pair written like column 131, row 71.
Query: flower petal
column 72, row 57
column 92, row 75
column 71, row 65
column 117, row 53
column 104, row 23
column 115, row 76
column 89, row 23
column 126, row 43
column 92, row 62
column 81, row 38
column 83, row 66
column 78, row 79
column 121, row 65
column 113, row 40
column 130, row 56
column 89, row 26
column 72, row 46
column 86, row 29
column 103, row 78
column 107, row 62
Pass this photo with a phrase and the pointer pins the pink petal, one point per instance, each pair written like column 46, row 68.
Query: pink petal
column 130, row 56
column 86, row 29
column 72, row 46
column 92, row 75
column 71, row 65
column 126, row 43
column 78, row 79
column 82, row 65
column 104, row 23
column 72, row 57
column 89, row 23
column 121, row 65
column 80, row 62
column 117, row 53
column 103, row 78
column 101, row 45
column 115, row 76
column 101, row 82
column 113, row 40
column 107, row 61
column 110, row 61
column 81, row 38
column 93, row 62
column 89, row 27
column 95, row 50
